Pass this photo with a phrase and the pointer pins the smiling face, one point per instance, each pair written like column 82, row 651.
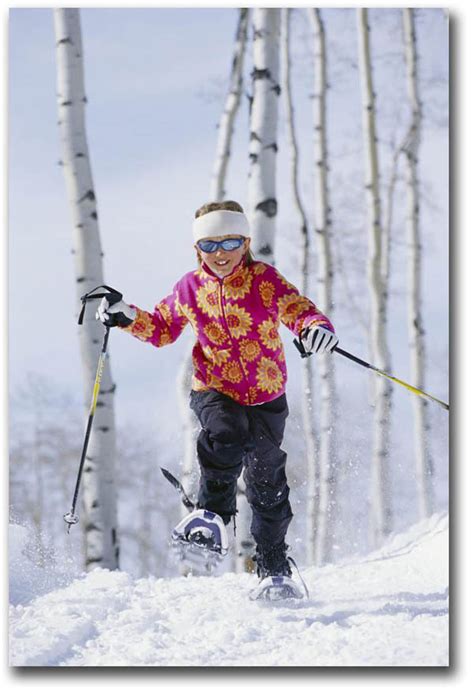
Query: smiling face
column 223, row 262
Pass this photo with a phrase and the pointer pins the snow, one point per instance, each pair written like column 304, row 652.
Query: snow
column 389, row 608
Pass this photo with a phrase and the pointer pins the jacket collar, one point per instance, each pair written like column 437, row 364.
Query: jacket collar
column 207, row 271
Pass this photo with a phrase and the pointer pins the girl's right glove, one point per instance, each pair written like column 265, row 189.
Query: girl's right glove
column 117, row 315
column 318, row 339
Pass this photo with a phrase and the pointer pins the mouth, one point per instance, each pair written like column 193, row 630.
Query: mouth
column 221, row 263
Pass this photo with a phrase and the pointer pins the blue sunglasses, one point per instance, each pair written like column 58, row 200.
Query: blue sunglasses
column 227, row 244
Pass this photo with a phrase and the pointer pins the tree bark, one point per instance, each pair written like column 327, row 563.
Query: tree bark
column 327, row 506
column 262, row 204
column 232, row 103
column 381, row 510
column 416, row 339
column 99, row 474
column 309, row 426
column 263, row 132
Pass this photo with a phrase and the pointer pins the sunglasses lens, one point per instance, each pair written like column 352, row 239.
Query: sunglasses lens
column 213, row 245
column 232, row 243
column 208, row 245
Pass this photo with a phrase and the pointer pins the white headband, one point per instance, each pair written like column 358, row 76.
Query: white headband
column 220, row 222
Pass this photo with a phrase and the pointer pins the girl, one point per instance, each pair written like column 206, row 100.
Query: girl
column 234, row 305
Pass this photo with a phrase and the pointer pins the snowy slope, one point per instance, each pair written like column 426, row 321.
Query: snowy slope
column 387, row 609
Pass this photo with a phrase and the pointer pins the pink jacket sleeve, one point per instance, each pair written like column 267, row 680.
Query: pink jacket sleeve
column 294, row 310
column 162, row 326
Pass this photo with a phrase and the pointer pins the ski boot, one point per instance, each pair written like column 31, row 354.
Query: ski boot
column 200, row 541
column 273, row 568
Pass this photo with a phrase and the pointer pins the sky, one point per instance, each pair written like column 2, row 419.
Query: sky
column 155, row 82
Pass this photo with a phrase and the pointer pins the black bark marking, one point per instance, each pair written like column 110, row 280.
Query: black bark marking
column 268, row 206
column 261, row 74
column 80, row 279
column 265, row 250
column 64, row 40
column 87, row 195
column 104, row 428
column 273, row 146
column 94, row 215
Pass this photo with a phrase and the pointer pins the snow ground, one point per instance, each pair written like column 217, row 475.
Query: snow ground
column 386, row 609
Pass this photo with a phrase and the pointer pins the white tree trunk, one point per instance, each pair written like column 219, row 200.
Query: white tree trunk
column 189, row 427
column 99, row 474
column 263, row 148
column 424, row 469
column 309, row 427
column 226, row 124
column 262, row 204
column 325, row 534
column 381, row 514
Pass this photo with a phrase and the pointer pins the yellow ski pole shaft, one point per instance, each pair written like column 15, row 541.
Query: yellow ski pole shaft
column 410, row 387
column 71, row 517
column 304, row 354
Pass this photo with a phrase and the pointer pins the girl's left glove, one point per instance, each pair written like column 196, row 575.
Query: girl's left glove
column 318, row 339
column 117, row 315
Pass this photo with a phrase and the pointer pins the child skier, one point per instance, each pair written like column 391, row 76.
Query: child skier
column 234, row 305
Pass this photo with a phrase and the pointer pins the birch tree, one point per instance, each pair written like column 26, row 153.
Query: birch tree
column 263, row 149
column 309, row 427
column 262, row 202
column 416, row 339
column 99, row 473
column 231, row 107
column 326, row 515
column 381, row 511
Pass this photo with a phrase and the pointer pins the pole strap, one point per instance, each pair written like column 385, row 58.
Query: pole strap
column 112, row 295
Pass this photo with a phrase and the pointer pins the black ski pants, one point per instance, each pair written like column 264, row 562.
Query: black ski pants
column 232, row 437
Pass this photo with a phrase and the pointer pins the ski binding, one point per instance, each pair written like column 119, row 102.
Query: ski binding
column 200, row 541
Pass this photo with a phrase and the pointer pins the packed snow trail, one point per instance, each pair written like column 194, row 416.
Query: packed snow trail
column 387, row 609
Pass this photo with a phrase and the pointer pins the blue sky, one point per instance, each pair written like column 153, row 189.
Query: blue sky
column 155, row 82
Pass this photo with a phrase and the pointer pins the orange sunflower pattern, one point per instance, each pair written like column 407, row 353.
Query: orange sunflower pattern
column 238, row 287
column 208, row 299
column 267, row 291
column 249, row 349
column 215, row 333
column 238, row 349
column 269, row 336
column 142, row 327
column 292, row 306
column 238, row 320
column 269, row 376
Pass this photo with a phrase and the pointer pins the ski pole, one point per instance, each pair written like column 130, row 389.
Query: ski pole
column 112, row 296
column 304, row 354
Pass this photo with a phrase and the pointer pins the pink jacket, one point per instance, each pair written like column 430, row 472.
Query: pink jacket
column 238, row 350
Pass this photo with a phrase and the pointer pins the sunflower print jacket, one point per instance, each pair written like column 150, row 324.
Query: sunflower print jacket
column 238, row 350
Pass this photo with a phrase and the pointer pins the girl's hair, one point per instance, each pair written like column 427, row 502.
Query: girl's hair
column 227, row 205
